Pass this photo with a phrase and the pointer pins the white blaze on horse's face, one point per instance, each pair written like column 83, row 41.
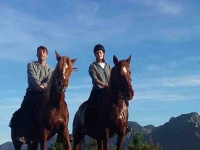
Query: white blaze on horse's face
column 66, row 66
column 124, row 69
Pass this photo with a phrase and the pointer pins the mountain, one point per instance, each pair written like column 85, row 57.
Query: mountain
column 178, row 133
column 7, row 146
column 182, row 132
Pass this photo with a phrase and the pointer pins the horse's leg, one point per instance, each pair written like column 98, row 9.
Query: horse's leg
column 100, row 144
column 35, row 146
column 43, row 139
column 120, row 140
column 77, row 137
column 66, row 140
column 17, row 144
column 30, row 146
column 105, row 141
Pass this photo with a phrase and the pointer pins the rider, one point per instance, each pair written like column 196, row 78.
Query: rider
column 99, row 71
column 38, row 76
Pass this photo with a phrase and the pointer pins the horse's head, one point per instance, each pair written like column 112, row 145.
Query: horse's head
column 121, row 75
column 63, row 71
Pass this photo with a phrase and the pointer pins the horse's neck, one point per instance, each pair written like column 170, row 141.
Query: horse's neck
column 57, row 99
column 116, row 95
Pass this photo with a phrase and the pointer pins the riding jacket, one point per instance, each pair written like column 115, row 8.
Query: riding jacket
column 102, row 74
column 37, row 75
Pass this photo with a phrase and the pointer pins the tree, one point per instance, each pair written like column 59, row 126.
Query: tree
column 137, row 144
column 56, row 146
column 92, row 145
column 158, row 147
column 113, row 147
column 151, row 145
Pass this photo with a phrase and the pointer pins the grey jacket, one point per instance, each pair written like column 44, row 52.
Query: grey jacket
column 37, row 75
column 97, row 72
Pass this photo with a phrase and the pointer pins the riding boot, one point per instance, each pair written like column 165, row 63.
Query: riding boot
column 128, row 129
column 25, row 121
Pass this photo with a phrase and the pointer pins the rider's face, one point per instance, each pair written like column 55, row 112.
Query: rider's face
column 99, row 54
column 42, row 54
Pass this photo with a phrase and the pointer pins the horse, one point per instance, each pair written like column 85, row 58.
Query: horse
column 109, row 117
column 53, row 116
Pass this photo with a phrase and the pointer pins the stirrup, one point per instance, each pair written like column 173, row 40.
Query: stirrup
column 21, row 138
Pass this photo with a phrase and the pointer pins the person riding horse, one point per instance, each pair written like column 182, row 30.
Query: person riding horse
column 99, row 72
column 38, row 77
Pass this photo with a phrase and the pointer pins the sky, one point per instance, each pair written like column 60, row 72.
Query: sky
column 162, row 37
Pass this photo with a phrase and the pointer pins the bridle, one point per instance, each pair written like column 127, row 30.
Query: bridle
column 65, row 85
column 122, row 87
column 59, row 82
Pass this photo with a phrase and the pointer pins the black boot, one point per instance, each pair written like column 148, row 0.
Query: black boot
column 128, row 129
column 21, row 138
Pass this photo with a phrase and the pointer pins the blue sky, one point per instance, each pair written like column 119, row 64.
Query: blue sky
column 162, row 36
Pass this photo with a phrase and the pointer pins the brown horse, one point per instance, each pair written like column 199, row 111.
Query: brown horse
column 110, row 116
column 53, row 116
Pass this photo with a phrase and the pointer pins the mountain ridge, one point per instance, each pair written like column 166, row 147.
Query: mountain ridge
column 179, row 132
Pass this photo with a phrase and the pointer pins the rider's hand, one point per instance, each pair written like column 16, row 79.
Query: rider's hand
column 40, row 88
column 105, row 85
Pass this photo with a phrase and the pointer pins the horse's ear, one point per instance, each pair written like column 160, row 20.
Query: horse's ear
column 129, row 59
column 73, row 60
column 58, row 57
column 115, row 60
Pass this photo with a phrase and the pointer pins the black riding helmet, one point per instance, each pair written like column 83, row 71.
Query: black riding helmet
column 99, row 47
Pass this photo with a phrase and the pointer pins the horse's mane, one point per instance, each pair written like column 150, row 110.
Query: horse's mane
column 64, row 60
column 49, row 85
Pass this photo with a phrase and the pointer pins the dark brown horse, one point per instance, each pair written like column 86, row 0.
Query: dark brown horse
column 110, row 116
column 53, row 116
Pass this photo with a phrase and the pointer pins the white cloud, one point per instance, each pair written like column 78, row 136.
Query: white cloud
column 23, row 32
column 180, row 34
column 187, row 81
column 153, row 67
column 8, row 107
column 86, row 13
column 167, row 7
column 164, row 96
column 194, row 58
column 160, row 6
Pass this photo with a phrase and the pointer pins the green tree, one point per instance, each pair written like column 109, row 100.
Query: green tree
column 158, row 147
column 92, row 145
column 151, row 145
column 56, row 146
column 113, row 147
column 137, row 144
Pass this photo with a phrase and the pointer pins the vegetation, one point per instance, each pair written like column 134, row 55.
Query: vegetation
column 56, row 146
column 137, row 144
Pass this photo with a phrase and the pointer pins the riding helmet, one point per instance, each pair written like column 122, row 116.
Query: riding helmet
column 99, row 47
